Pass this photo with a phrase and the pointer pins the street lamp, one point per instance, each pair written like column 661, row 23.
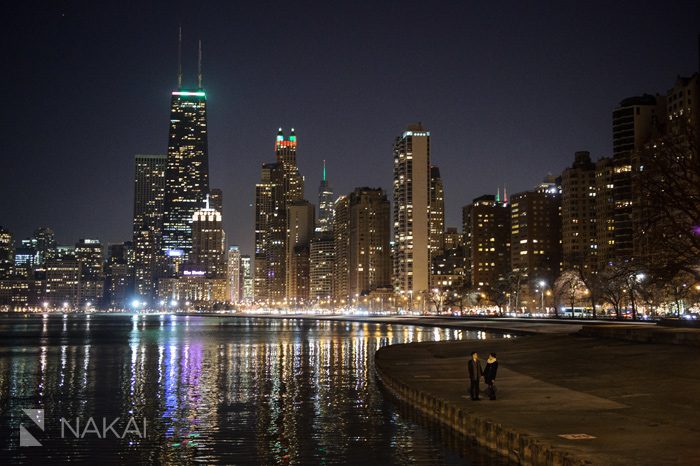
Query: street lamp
column 542, row 285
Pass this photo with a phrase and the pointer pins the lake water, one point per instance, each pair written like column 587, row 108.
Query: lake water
column 211, row 390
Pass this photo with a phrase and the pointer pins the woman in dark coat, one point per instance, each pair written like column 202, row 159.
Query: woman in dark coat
column 490, row 375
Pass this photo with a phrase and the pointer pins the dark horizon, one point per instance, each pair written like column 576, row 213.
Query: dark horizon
column 508, row 93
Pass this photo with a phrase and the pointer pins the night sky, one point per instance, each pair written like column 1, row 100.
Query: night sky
column 508, row 91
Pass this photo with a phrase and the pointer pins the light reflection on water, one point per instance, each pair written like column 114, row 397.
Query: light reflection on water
column 213, row 390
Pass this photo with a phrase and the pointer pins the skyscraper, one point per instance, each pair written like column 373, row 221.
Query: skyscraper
column 7, row 253
column 234, row 274
column 280, row 185
column 487, row 235
column 300, row 229
column 187, row 172
column 321, row 257
column 89, row 255
column 216, row 200
column 437, row 212
column 578, row 207
column 247, row 279
column 325, row 204
column 362, row 248
column 45, row 244
column 634, row 123
column 536, row 232
column 208, row 242
column 341, row 250
column 412, row 211
column 149, row 190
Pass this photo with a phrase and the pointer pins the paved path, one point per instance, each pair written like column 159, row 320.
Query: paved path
column 640, row 402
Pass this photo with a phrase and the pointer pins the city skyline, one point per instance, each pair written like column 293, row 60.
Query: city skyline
column 467, row 127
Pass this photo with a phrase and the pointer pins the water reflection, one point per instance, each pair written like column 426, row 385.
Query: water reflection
column 213, row 390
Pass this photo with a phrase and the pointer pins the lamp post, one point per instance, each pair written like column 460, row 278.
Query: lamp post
column 542, row 285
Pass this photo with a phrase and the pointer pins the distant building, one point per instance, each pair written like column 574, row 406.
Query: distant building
column 208, row 252
column 324, row 221
column 216, row 200
column 341, row 251
column 578, row 209
column 362, row 243
column 45, row 243
column 634, row 123
column 7, row 253
column 194, row 292
column 321, row 258
column 300, row 230
column 412, row 211
column 280, row 185
column 247, row 279
column 234, row 274
column 63, row 283
column 487, row 232
column 187, row 171
column 119, row 277
column 452, row 239
column 90, row 256
column 149, row 191
column 535, row 242
column 437, row 213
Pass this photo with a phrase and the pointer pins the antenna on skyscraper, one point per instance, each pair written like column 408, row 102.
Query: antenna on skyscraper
column 179, row 58
column 199, row 66
column 505, row 195
column 324, row 170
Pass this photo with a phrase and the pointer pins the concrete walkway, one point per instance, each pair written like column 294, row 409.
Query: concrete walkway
column 635, row 403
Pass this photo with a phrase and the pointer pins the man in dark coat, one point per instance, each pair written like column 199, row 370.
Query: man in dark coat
column 475, row 374
column 490, row 375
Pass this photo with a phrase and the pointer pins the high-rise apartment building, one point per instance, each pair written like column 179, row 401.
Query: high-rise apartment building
column 300, row 230
column 149, row 190
column 412, row 211
column 634, row 123
column 362, row 243
column 437, row 213
column 208, row 242
column 234, row 274
column 324, row 221
column 321, row 257
column 578, row 210
column 487, row 240
column 535, row 242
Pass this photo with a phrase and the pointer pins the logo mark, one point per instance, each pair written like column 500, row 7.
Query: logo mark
column 25, row 438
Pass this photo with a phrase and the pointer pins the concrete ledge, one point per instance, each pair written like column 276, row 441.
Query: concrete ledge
column 644, row 334
column 508, row 442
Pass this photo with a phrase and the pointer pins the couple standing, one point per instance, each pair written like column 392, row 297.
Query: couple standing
column 489, row 374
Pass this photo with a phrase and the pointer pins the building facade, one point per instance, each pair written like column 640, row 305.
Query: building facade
column 411, row 264
column 186, row 174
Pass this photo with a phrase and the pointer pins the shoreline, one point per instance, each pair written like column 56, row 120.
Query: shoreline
column 548, row 412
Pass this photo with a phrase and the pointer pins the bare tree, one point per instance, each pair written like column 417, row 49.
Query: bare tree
column 668, row 180
column 569, row 287
column 613, row 280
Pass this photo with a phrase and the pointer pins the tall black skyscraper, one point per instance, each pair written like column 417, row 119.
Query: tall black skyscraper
column 187, row 172
column 149, row 190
